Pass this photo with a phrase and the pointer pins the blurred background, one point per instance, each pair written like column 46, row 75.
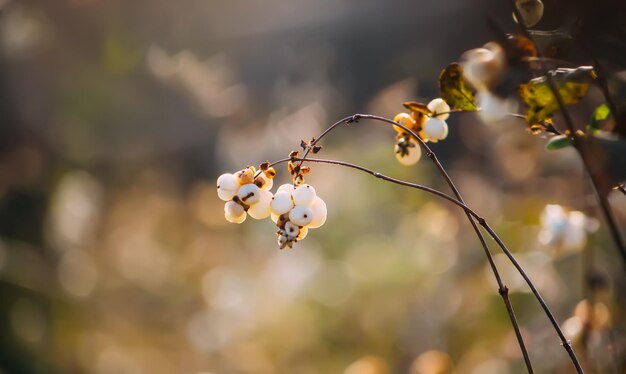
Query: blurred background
column 115, row 257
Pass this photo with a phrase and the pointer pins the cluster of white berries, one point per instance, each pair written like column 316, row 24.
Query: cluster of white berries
column 427, row 121
column 245, row 194
column 294, row 209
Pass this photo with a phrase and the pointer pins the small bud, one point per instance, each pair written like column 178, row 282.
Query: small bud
column 264, row 166
column 316, row 148
column 294, row 154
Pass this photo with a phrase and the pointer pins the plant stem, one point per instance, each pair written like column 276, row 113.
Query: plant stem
column 503, row 290
column 481, row 221
column 577, row 142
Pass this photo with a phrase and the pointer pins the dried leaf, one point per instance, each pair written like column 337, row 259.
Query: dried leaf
column 456, row 90
column 414, row 106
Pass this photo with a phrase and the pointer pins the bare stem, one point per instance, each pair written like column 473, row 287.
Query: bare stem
column 481, row 221
column 577, row 142
column 503, row 290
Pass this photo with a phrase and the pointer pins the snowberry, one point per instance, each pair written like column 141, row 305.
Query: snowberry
column 440, row 108
column 234, row 212
column 281, row 203
column 405, row 120
column 225, row 194
column 261, row 209
column 227, row 186
column 291, row 229
column 287, row 187
column 530, row 10
column 304, row 230
column 264, row 182
column 249, row 193
column 245, row 176
column 303, row 195
column 301, row 215
column 482, row 67
column 227, row 181
column 282, row 240
column 494, row 108
column 435, row 129
column 318, row 207
column 410, row 156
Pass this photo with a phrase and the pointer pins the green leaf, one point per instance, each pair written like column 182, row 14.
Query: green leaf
column 456, row 90
column 599, row 114
column 602, row 112
column 558, row 142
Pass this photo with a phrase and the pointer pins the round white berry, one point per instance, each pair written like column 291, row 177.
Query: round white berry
column 261, row 209
column 318, row 207
column 303, row 233
column 245, row 176
column 287, row 187
column 281, row 203
column 301, row 215
column 249, row 193
column 269, row 182
column 292, row 230
column 435, row 129
column 234, row 212
column 410, row 158
column 304, row 195
column 405, row 120
column 273, row 217
column 227, row 181
column 225, row 194
column 438, row 106
column 282, row 240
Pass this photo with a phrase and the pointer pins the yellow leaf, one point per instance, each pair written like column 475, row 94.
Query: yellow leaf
column 542, row 103
column 455, row 90
column 414, row 106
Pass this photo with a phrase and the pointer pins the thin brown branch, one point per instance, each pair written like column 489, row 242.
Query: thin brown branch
column 503, row 290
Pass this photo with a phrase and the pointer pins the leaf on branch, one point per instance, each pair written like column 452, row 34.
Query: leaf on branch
column 558, row 142
column 572, row 85
column 456, row 90
column 601, row 113
column 414, row 106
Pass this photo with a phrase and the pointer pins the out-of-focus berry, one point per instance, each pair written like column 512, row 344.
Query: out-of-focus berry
column 531, row 11
column 483, row 67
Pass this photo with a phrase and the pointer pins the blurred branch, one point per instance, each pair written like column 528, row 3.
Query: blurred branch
column 577, row 142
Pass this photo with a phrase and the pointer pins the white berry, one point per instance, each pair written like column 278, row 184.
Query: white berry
column 281, row 203
column 410, row 158
column 261, row 209
column 287, row 187
column 228, row 182
column 301, row 215
column 249, row 193
column 304, row 195
column 292, row 229
column 437, row 106
column 234, row 212
column 303, row 233
column 269, row 182
column 435, row 129
column 318, row 207
column 225, row 194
